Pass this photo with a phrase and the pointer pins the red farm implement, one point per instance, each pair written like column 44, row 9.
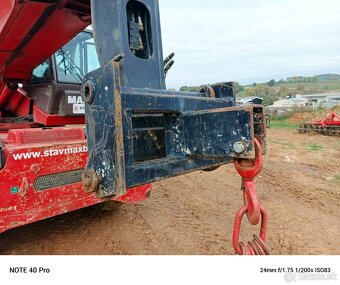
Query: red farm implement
column 329, row 126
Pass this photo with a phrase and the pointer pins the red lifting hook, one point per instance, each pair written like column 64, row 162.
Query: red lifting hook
column 249, row 169
column 242, row 165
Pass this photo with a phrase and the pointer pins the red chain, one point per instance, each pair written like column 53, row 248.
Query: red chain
column 249, row 169
column 251, row 200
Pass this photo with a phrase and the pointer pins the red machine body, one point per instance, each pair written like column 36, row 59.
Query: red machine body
column 41, row 176
column 31, row 31
column 41, row 159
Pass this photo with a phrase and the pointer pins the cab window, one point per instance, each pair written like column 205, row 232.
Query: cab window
column 76, row 59
column 42, row 73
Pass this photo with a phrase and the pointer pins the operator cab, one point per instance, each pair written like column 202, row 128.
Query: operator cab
column 55, row 83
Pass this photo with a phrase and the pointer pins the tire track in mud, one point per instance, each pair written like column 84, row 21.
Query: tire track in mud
column 325, row 199
column 191, row 223
column 304, row 204
column 52, row 236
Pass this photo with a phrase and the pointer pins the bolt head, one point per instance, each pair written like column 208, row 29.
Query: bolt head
column 240, row 147
column 87, row 91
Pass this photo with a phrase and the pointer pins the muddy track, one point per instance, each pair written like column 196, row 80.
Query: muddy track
column 193, row 214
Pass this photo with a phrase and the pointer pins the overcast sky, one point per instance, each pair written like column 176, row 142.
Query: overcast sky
column 249, row 41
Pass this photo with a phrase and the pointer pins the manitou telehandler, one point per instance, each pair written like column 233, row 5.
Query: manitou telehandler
column 53, row 84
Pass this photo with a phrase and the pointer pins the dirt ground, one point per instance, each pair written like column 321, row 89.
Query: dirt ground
column 194, row 214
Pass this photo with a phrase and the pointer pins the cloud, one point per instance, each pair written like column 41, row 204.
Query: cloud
column 249, row 41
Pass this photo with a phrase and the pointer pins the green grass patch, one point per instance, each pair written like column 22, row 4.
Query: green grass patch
column 319, row 190
column 282, row 124
column 336, row 179
column 315, row 147
column 284, row 143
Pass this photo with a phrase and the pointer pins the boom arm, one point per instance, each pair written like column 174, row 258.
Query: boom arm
column 31, row 31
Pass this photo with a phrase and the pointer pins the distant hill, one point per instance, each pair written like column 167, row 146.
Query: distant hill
column 290, row 82
column 302, row 79
column 274, row 90
column 328, row 77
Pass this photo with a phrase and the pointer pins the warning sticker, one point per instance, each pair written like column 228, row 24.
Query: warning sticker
column 78, row 109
